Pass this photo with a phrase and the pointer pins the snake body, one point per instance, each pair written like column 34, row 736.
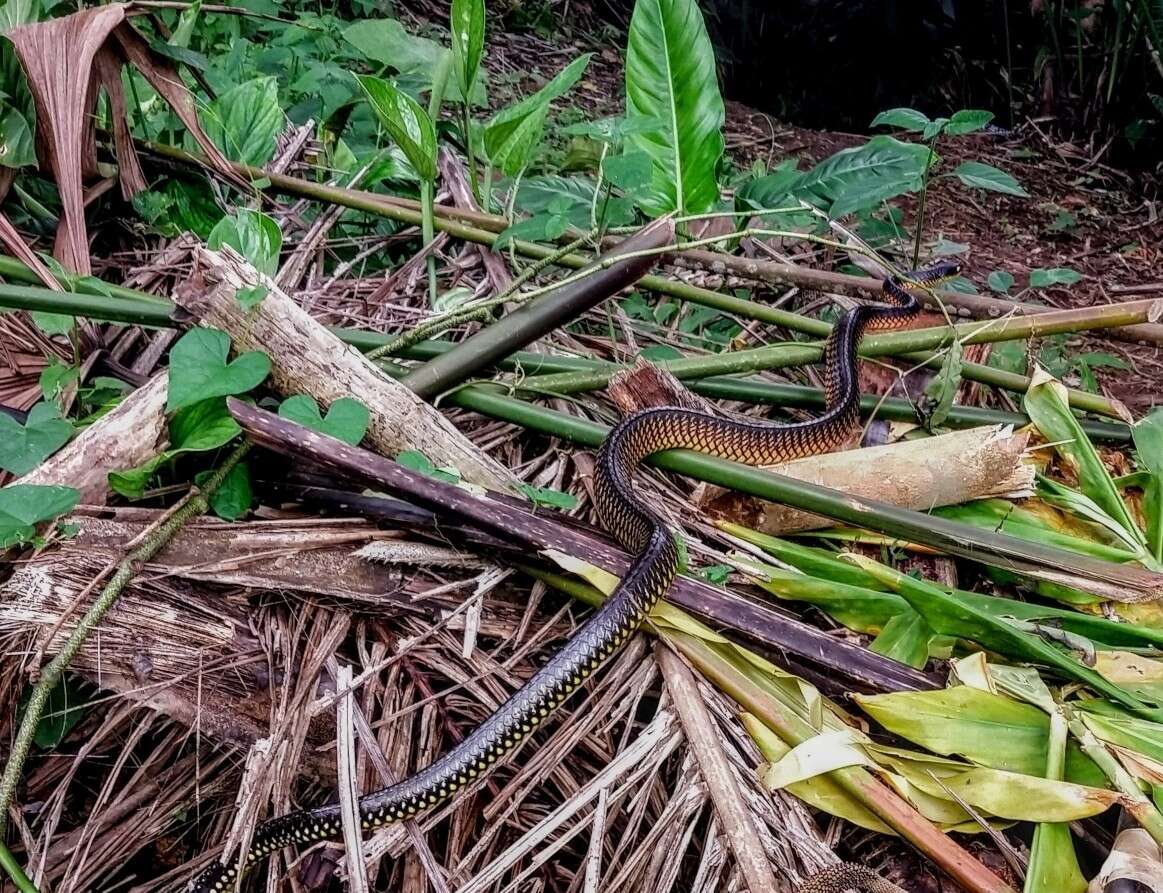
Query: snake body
column 642, row 532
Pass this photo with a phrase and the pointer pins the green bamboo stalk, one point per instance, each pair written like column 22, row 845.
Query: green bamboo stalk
column 903, row 343
column 139, row 308
column 962, row 540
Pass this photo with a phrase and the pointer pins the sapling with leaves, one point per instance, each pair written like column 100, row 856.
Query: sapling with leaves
column 413, row 131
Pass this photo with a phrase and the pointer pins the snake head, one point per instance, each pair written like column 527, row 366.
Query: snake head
column 938, row 273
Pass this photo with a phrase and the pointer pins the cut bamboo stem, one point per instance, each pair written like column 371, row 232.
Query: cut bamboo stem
column 1106, row 579
column 918, row 474
column 906, row 343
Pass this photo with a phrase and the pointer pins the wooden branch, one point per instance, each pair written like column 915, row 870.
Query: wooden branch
column 523, row 526
column 124, row 437
column 306, row 358
column 735, row 817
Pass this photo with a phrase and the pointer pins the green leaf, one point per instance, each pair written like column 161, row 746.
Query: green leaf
column 864, row 176
column 23, row 447
column 1054, row 276
column 979, row 175
column 17, row 148
column 132, row 482
column 967, row 121
column 951, row 616
column 414, row 460
column 417, row 59
column 988, row 729
column 23, row 506
column 513, row 133
column 933, row 129
column 56, row 377
column 630, row 172
column 206, row 425
column 467, row 27
column 1046, row 405
column 905, row 638
column 346, row 420
column 199, row 370
column 251, row 296
column 406, row 121
column 233, row 497
column 548, row 497
column 53, row 323
column 1148, row 437
column 671, row 77
column 252, row 234
column 943, row 388
column 244, row 121
column 904, row 118
column 1000, row 281
column 64, row 709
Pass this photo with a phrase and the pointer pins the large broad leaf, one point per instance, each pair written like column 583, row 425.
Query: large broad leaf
column 1046, row 404
column 416, row 58
column 199, row 369
column 864, row 176
column 408, row 123
column 988, row 729
column 670, row 76
column 244, row 121
column 514, row 132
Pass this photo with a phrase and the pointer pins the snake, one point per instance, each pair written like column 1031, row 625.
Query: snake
column 642, row 532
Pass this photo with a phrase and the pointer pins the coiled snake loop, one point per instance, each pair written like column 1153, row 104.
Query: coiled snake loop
column 642, row 532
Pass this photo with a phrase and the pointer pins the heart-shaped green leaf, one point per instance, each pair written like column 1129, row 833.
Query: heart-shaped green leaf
column 1000, row 281
column 346, row 420
column 252, row 234
column 199, row 370
column 23, row 447
column 1054, row 276
column 23, row 506
column 408, row 123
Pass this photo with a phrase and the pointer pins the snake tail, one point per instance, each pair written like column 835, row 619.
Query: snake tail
column 642, row 532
